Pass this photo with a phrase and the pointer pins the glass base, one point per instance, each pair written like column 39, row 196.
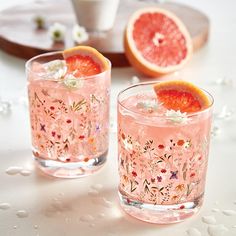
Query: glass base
column 72, row 169
column 160, row 214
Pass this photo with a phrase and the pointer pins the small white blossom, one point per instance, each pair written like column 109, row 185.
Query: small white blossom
column 176, row 116
column 57, row 32
column 72, row 82
column 79, row 34
column 56, row 69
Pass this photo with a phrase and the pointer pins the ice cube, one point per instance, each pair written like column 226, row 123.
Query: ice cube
column 176, row 116
column 148, row 105
column 72, row 82
column 55, row 69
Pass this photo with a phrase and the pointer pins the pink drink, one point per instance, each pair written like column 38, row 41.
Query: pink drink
column 69, row 121
column 162, row 158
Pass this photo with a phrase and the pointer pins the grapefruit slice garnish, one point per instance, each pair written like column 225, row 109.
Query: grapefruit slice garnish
column 84, row 61
column 181, row 95
column 156, row 42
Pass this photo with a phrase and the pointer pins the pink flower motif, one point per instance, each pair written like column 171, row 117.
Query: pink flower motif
column 159, row 178
column 134, row 173
column 192, row 175
column 163, row 170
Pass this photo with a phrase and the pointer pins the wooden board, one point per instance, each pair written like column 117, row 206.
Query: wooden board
column 19, row 37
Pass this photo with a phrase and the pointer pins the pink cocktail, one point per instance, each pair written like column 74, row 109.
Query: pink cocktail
column 163, row 156
column 69, row 117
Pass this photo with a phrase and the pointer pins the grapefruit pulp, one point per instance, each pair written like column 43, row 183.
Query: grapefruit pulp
column 181, row 95
column 84, row 61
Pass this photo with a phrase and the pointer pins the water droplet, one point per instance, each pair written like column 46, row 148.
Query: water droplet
column 229, row 212
column 234, row 226
column 193, row 232
column 25, row 172
column 215, row 131
column 36, row 226
column 103, row 201
column 23, row 100
column 217, row 230
column 209, row 220
column 86, row 218
column 57, row 205
column 5, row 107
column 225, row 113
column 97, row 186
column 22, row 213
column 15, row 227
column 4, row 206
column 101, row 215
column 215, row 210
column 13, row 170
column 224, row 81
column 93, row 192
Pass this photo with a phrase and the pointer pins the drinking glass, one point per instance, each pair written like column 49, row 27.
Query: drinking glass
column 162, row 159
column 96, row 15
column 69, row 118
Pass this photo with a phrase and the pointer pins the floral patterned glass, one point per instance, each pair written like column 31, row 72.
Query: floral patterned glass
column 162, row 157
column 69, row 117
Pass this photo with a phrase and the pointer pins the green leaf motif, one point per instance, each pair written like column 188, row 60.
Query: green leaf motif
column 76, row 106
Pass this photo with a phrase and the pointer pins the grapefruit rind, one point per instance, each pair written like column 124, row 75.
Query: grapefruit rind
column 184, row 86
column 134, row 56
column 87, row 51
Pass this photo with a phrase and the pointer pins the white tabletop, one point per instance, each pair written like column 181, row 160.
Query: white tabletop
column 55, row 206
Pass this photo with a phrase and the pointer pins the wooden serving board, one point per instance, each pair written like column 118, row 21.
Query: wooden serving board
column 19, row 37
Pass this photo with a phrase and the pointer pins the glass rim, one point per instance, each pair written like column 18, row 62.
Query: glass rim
column 160, row 116
column 47, row 54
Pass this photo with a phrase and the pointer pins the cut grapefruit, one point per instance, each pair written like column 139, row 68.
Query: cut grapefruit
column 156, row 42
column 84, row 61
column 181, row 95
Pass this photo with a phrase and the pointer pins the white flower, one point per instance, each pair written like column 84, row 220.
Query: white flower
column 57, row 32
column 56, row 69
column 79, row 34
column 176, row 116
column 72, row 82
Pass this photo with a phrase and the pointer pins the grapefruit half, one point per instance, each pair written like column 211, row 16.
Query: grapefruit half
column 84, row 61
column 181, row 95
column 156, row 42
